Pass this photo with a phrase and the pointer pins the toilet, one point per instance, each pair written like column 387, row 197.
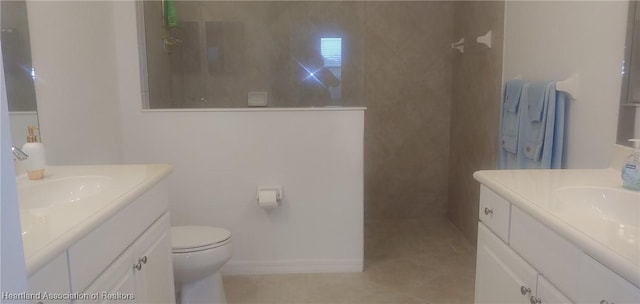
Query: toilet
column 198, row 254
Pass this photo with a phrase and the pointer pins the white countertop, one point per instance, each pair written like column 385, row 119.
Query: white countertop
column 533, row 192
column 47, row 232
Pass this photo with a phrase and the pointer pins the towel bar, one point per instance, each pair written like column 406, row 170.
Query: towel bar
column 570, row 85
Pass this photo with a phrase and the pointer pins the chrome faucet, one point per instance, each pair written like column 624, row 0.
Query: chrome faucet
column 18, row 154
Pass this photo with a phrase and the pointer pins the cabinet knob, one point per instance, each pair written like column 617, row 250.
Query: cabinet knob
column 488, row 211
column 143, row 259
column 524, row 290
column 535, row 300
column 137, row 266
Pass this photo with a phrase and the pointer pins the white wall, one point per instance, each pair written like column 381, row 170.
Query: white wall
column 220, row 158
column 72, row 46
column 551, row 41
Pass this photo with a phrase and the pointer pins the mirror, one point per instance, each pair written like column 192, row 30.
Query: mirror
column 18, row 70
column 239, row 54
column 629, row 114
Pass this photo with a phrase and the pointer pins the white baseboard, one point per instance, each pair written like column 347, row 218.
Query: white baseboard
column 294, row 266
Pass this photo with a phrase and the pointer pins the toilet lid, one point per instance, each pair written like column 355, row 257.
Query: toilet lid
column 186, row 237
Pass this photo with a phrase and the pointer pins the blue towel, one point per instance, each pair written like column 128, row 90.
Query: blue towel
column 532, row 137
column 534, row 101
column 513, row 89
column 558, row 131
column 536, row 97
column 540, row 144
column 509, row 121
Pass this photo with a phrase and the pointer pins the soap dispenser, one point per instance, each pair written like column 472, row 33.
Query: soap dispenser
column 631, row 168
column 35, row 163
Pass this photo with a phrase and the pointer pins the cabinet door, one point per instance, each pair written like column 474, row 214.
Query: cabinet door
column 154, row 281
column 500, row 272
column 598, row 284
column 119, row 232
column 549, row 294
column 116, row 284
column 53, row 278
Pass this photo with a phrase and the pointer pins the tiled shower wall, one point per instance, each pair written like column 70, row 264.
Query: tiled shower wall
column 408, row 99
column 475, row 108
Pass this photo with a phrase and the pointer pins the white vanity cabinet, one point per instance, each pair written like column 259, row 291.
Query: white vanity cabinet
column 143, row 270
column 53, row 278
column 500, row 273
column 125, row 259
column 118, row 278
column 153, row 264
column 522, row 261
column 578, row 275
column 547, row 293
column 502, row 276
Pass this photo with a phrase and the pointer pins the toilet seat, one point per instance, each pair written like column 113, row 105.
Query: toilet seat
column 186, row 239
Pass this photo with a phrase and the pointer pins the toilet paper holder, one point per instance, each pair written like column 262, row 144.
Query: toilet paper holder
column 278, row 189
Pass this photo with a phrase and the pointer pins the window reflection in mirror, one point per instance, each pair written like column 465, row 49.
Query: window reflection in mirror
column 301, row 53
column 18, row 70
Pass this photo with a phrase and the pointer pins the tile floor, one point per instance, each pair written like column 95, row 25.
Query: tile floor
column 406, row 261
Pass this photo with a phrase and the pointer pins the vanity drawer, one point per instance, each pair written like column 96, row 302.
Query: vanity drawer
column 494, row 212
column 92, row 254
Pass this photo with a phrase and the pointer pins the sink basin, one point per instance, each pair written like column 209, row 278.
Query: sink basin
column 60, row 191
column 600, row 203
column 607, row 213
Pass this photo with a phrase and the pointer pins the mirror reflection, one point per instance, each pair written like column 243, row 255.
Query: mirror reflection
column 629, row 115
column 18, row 70
column 235, row 54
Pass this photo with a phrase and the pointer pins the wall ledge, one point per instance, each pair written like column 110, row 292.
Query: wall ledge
column 255, row 109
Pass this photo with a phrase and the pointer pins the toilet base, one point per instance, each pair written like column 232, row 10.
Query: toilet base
column 206, row 290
